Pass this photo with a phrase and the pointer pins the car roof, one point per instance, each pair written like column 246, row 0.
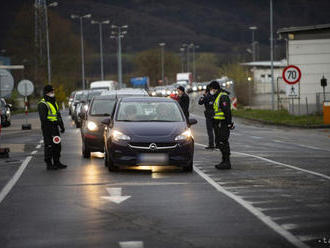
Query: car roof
column 147, row 99
column 105, row 97
column 127, row 92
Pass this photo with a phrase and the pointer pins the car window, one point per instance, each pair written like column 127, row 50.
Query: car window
column 2, row 104
column 102, row 107
column 149, row 111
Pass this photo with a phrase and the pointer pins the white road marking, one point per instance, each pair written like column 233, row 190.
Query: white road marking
column 278, row 163
column 289, row 226
column 41, row 141
column 256, row 137
column 38, row 146
column 77, row 131
column 115, row 195
column 4, row 192
column 131, row 244
column 308, row 238
column 265, row 219
column 304, row 146
column 34, row 152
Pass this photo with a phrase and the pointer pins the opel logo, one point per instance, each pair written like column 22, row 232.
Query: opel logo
column 153, row 147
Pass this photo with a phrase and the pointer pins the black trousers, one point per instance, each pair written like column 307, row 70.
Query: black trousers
column 52, row 150
column 222, row 133
column 210, row 130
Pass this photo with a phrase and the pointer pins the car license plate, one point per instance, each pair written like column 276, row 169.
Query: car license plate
column 153, row 158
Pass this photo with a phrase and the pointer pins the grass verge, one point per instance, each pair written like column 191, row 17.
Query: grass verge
column 281, row 117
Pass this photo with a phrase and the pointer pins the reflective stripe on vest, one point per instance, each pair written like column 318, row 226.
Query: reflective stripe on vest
column 218, row 113
column 52, row 112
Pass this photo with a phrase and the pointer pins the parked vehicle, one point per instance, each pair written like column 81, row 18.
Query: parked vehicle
column 184, row 78
column 71, row 101
column 104, row 85
column 5, row 113
column 148, row 131
column 140, row 82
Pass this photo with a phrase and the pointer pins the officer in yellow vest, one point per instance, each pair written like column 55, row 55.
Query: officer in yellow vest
column 222, row 123
column 51, row 120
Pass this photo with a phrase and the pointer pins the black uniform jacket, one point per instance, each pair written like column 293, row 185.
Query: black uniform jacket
column 43, row 113
column 184, row 103
column 208, row 101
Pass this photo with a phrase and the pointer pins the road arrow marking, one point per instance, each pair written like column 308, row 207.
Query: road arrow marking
column 115, row 195
column 131, row 244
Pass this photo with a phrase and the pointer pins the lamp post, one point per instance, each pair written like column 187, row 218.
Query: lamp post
column 253, row 29
column 184, row 45
column 162, row 46
column 182, row 59
column 53, row 4
column 194, row 64
column 119, row 34
column 100, row 23
column 87, row 16
column 272, row 53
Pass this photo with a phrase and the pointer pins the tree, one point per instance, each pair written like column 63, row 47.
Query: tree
column 148, row 63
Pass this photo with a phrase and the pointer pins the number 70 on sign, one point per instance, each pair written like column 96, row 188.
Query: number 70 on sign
column 291, row 74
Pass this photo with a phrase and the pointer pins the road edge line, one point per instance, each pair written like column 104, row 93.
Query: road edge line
column 271, row 224
column 4, row 192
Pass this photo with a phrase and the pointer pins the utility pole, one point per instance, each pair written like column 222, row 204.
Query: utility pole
column 82, row 45
column 194, row 63
column 101, row 43
column 272, row 52
column 162, row 46
column 119, row 34
column 182, row 59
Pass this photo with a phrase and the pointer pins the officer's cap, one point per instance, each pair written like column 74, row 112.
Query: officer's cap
column 47, row 89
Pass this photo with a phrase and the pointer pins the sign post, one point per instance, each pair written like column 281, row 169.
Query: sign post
column 25, row 88
column 292, row 75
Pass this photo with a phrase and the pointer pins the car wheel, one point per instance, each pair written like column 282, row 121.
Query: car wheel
column 85, row 151
column 106, row 160
column 188, row 167
column 110, row 164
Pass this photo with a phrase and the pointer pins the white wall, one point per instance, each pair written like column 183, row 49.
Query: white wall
column 263, row 80
column 313, row 59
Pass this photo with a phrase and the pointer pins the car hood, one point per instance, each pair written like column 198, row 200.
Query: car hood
column 152, row 130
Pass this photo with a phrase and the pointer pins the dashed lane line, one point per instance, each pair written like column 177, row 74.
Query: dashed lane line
column 38, row 146
column 265, row 219
column 4, row 192
column 278, row 163
column 34, row 152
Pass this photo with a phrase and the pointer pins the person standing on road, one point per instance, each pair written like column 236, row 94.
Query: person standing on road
column 183, row 100
column 222, row 123
column 51, row 119
column 208, row 100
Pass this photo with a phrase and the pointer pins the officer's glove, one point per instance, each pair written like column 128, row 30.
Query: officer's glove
column 231, row 126
column 62, row 130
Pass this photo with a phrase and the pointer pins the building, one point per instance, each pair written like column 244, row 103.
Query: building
column 261, row 71
column 309, row 48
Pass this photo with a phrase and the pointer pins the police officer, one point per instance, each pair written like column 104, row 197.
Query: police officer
column 208, row 100
column 51, row 120
column 183, row 100
column 222, row 123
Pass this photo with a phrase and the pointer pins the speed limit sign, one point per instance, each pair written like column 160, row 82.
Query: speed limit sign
column 291, row 74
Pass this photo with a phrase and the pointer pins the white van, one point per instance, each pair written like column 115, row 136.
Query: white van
column 104, row 85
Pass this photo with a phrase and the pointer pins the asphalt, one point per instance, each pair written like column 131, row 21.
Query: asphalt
column 276, row 195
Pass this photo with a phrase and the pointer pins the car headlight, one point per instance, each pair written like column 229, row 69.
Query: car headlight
column 116, row 135
column 92, row 126
column 184, row 136
column 8, row 112
column 86, row 107
column 153, row 93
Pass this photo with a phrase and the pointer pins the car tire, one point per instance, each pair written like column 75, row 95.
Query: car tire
column 85, row 151
column 106, row 159
column 188, row 167
column 110, row 164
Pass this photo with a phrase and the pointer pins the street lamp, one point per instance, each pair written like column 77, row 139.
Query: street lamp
column 101, row 43
column 162, row 46
column 272, row 53
column 253, row 29
column 119, row 34
column 81, row 17
column 182, row 58
column 194, row 64
column 53, row 4
column 188, row 56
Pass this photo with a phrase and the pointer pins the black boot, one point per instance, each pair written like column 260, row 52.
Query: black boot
column 50, row 166
column 225, row 165
column 59, row 165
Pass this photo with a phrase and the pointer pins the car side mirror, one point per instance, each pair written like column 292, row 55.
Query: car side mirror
column 192, row 121
column 9, row 105
column 106, row 121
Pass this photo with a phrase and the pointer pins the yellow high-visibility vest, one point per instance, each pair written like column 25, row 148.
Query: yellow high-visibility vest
column 52, row 111
column 218, row 113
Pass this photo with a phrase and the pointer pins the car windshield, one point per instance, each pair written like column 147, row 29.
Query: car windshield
column 149, row 112
column 93, row 93
column 102, row 107
column 78, row 96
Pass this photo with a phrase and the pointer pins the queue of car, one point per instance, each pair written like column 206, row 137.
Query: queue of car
column 133, row 129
